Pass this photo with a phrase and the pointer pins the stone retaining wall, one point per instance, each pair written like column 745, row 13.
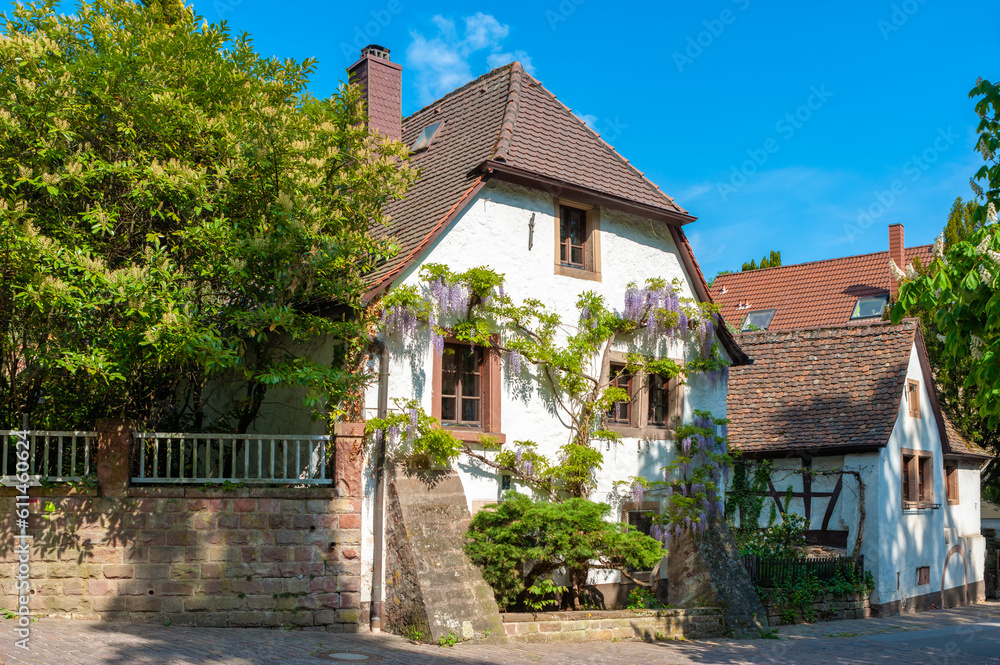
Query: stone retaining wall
column 586, row 626
column 830, row 607
column 241, row 557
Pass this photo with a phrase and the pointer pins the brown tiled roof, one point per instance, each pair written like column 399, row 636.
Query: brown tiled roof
column 509, row 117
column 958, row 444
column 830, row 388
column 808, row 295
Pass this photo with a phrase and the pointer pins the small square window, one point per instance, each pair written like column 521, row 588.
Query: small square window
column 923, row 575
column 869, row 308
column 758, row 320
column 427, row 137
column 505, row 483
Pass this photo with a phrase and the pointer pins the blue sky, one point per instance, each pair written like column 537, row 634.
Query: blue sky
column 779, row 125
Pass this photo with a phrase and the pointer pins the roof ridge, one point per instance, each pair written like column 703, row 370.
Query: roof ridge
column 809, row 263
column 461, row 89
column 652, row 185
column 908, row 324
column 509, row 120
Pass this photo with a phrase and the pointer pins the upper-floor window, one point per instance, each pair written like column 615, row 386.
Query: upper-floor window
column 572, row 237
column 578, row 248
column 913, row 398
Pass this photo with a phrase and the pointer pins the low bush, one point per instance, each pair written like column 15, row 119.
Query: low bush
column 521, row 542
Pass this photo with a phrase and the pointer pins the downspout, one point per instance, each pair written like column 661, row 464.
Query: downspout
column 379, row 517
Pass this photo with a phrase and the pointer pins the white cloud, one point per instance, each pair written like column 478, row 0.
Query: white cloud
column 442, row 62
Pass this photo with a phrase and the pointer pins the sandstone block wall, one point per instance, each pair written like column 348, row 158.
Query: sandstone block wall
column 828, row 607
column 589, row 626
column 190, row 556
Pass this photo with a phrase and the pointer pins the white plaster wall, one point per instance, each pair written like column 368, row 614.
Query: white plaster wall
column 919, row 538
column 494, row 231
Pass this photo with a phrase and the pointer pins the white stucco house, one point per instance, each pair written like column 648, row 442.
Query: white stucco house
column 836, row 407
column 511, row 179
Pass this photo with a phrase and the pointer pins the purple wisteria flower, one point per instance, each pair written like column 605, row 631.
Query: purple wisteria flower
column 437, row 342
column 656, row 532
column 637, row 492
column 514, row 361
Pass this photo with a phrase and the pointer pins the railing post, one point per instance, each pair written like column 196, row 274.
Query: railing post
column 348, row 442
column 114, row 459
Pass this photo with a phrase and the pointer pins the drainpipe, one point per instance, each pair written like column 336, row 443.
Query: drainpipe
column 383, row 409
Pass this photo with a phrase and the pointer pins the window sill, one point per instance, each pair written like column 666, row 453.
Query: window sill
column 921, row 505
column 954, row 502
column 579, row 273
column 655, row 433
column 472, row 434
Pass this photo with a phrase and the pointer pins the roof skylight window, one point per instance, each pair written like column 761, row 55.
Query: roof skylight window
column 427, row 137
column 869, row 308
column 758, row 320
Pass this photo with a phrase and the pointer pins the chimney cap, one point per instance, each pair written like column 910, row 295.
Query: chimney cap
column 376, row 51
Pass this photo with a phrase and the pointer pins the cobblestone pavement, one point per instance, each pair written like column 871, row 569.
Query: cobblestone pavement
column 59, row 642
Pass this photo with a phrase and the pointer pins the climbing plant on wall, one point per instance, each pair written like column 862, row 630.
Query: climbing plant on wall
column 566, row 358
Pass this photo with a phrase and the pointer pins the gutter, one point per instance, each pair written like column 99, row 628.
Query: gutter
column 379, row 517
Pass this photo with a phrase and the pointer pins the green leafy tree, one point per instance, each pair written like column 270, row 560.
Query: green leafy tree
column 961, row 222
column 177, row 214
column 960, row 285
column 772, row 261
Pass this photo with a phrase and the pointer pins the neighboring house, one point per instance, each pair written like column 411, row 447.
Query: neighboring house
column 991, row 516
column 833, row 387
column 835, row 406
column 511, row 179
column 849, row 290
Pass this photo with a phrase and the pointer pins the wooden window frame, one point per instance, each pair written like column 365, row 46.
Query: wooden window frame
column 951, row 483
column 591, row 268
column 923, row 575
column 490, row 392
column 639, row 425
column 614, row 381
column 912, row 463
column 459, row 395
column 913, row 398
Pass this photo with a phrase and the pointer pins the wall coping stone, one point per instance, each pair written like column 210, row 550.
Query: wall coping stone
column 596, row 615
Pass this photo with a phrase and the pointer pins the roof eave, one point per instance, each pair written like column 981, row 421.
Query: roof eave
column 510, row 173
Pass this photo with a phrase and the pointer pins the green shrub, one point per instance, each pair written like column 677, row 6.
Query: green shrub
column 521, row 541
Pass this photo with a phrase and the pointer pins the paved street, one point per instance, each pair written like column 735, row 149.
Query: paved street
column 964, row 635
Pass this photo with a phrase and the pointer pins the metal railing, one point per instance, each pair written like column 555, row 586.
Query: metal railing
column 243, row 458
column 775, row 572
column 55, row 456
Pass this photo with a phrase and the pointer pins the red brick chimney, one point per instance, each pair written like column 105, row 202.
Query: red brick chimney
column 382, row 81
column 896, row 254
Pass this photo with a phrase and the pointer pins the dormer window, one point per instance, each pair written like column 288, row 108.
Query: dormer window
column 869, row 308
column 758, row 320
column 427, row 137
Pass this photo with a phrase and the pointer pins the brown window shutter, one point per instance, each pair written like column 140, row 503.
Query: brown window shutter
column 491, row 390
column 675, row 402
